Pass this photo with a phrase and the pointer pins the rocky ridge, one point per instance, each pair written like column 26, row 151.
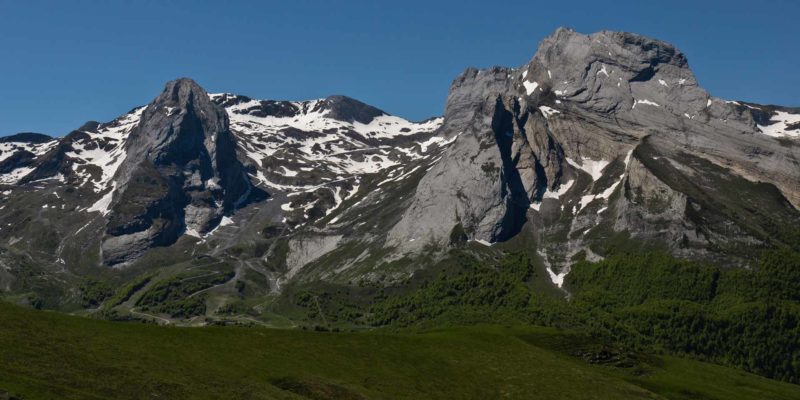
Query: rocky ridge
column 597, row 137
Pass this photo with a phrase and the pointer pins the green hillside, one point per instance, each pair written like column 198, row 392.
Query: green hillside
column 45, row 355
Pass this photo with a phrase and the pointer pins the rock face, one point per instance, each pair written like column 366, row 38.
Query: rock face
column 180, row 173
column 304, row 250
column 570, row 141
column 476, row 183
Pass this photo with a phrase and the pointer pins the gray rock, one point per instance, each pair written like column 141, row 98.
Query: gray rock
column 305, row 249
column 584, row 101
column 181, row 172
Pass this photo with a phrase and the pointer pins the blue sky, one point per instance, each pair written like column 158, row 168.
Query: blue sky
column 64, row 63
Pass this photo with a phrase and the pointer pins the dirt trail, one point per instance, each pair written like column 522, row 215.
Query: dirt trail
column 166, row 321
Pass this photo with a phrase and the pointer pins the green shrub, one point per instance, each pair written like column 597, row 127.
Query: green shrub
column 94, row 292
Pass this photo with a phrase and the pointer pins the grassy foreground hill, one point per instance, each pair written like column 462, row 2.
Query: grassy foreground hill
column 46, row 355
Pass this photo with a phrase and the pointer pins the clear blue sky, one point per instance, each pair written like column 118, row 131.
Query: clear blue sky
column 65, row 62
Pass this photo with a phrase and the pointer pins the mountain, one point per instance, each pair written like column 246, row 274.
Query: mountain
column 599, row 143
column 603, row 134
column 206, row 172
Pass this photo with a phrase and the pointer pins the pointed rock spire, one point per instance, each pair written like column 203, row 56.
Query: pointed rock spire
column 181, row 173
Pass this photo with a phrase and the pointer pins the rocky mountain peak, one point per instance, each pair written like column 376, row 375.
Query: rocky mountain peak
column 181, row 91
column 183, row 97
column 178, row 124
column 567, row 143
column 612, row 73
column 346, row 109
column 617, row 48
column 181, row 173
column 26, row 137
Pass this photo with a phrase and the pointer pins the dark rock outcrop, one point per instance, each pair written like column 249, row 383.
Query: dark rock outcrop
column 26, row 137
column 347, row 109
column 181, row 173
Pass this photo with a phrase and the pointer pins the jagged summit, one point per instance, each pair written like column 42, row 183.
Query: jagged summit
column 613, row 73
column 181, row 119
column 183, row 92
column 625, row 48
column 179, row 88
column 180, row 173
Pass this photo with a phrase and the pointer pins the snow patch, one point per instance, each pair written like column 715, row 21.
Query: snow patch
column 8, row 149
column 326, row 142
column 548, row 111
column 288, row 172
column 530, row 87
column 436, row 140
column 562, row 190
column 15, row 175
column 645, row 102
column 226, row 221
column 591, row 167
column 193, row 232
column 550, row 194
column 108, row 161
column 606, row 194
column 780, row 122
column 481, row 241
column 104, row 202
column 558, row 278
